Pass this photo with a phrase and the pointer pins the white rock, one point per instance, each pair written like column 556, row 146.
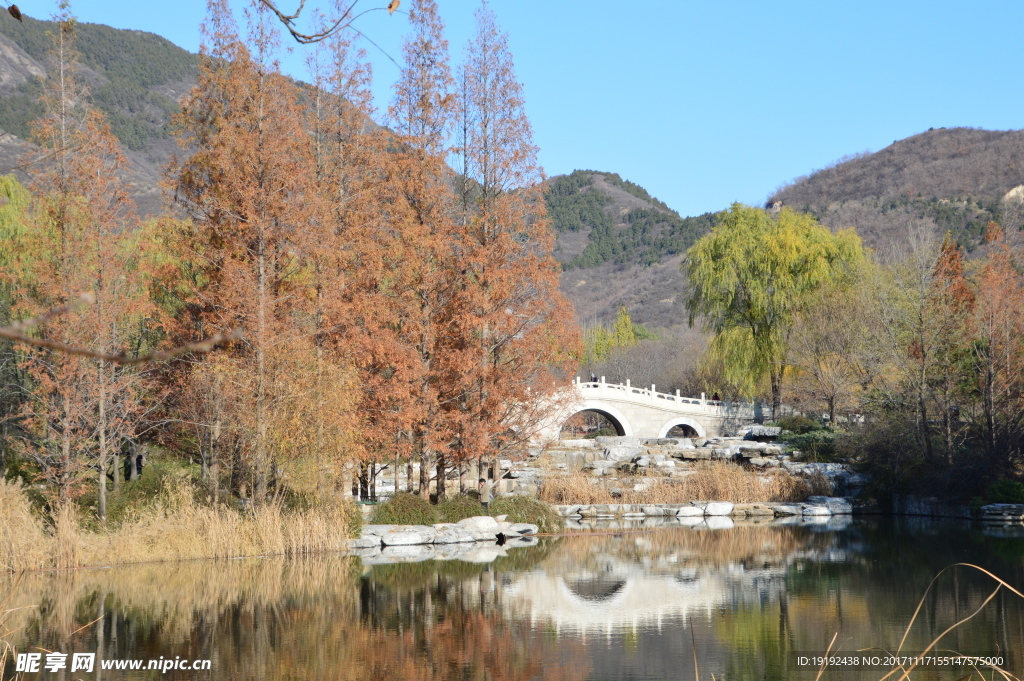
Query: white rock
column 367, row 541
column 814, row 510
column 479, row 522
column 787, row 509
column 408, row 536
column 718, row 508
column 524, row 528
column 690, row 512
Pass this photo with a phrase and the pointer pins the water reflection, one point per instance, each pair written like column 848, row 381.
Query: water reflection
column 610, row 606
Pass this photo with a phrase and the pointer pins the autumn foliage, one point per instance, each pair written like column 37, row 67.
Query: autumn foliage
column 380, row 314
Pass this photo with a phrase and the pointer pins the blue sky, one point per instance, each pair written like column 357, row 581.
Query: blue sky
column 706, row 103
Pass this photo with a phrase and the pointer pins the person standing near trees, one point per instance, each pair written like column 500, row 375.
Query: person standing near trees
column 485, row 493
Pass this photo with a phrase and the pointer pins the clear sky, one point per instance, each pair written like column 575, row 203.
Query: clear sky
column 706, row 103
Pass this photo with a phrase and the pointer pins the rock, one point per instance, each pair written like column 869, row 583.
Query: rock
column 499, row 518
column 619, row 453
column 409, row 535
column 814, row 510
column 694, row 454
column 524, row 528
column 455, row 535
column 378, row 530
column 642, row 461
column 837, row 505
column 857, row 480
column 478, row 523
column 617, row 440
column 787, row 509
column 566, row 510
column 367, row 541
column 762, row 431
column 718, row 508
column 505, row 464
column 690, row 512
column 752, row 510
column 657, row 511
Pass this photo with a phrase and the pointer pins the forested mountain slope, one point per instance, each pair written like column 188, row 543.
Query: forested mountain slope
column 620, row 247
column 945, row 180
column 135, row 78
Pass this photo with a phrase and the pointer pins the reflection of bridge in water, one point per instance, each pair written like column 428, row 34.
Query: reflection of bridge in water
column 618, row 591
column 647, row 413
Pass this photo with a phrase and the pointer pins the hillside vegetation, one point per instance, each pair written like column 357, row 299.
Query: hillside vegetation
column 943, row 180
column 133, row 77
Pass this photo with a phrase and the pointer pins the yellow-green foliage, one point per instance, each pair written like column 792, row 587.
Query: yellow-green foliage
column 752, row 274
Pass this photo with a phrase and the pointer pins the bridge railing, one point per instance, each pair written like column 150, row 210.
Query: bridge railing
column 651, row 395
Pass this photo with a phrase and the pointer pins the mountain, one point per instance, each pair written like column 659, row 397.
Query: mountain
column 944, row 180
column 620, row 247
column 135, row 78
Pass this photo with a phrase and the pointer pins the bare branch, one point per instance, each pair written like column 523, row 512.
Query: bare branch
column 340, row 24
column 16, row 331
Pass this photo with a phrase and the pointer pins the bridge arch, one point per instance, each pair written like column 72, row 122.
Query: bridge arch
column 618, row 421
column 683, row 421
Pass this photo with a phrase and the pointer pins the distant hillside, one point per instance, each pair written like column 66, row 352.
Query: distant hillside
column 135, row 78
column 948, row 180
column 620, row 246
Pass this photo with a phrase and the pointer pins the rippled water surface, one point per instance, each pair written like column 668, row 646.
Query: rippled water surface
column 617, row 605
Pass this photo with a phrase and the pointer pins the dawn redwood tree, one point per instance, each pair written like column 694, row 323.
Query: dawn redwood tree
column 514, row 327
column 751, row 276
column 250, row 189
column 79, row 241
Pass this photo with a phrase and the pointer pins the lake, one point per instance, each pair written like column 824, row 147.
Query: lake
column 747, row 602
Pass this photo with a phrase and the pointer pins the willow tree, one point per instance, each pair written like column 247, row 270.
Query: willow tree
column 751, row 276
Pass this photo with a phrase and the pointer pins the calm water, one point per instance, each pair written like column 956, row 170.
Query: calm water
column 750, row 600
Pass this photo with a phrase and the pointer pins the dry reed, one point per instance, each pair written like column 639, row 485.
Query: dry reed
column 174, row 527
column 714, row 480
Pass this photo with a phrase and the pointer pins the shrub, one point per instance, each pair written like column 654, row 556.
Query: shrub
column 815, row 445
column 798, row 424
column 520, row 509
column 405, row 509
column 454, row 509
column 1006, row 492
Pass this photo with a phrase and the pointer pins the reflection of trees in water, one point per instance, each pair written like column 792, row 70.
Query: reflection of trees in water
column 332, row 618
column 280, row 619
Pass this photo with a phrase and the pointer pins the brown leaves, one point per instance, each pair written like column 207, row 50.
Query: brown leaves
column 393, row 5
column 16, row 13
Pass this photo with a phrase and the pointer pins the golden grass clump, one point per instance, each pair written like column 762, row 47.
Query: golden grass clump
column 709, row 481
column 23, row 543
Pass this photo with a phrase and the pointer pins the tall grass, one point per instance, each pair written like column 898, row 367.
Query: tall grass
column 174, row 527
column 715, row 480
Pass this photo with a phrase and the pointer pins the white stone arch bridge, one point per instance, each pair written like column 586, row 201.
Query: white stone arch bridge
column 646, row 413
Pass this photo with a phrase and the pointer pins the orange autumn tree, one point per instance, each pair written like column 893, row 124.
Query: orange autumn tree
column 517, row 334
column 80, row 240
column 250, row 188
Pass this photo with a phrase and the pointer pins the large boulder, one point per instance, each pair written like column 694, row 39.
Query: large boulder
column 523, row 528
column 409, row 535
column 837, row 505
column 718, row 508
column 479, row 523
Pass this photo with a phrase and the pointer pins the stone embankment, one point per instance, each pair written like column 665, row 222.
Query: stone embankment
column 713, row 515
column 477, row 539
column 637, row 464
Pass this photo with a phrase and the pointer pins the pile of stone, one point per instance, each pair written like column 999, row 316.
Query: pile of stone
column 814, row 506
column 470, row 530
column 1003, row 513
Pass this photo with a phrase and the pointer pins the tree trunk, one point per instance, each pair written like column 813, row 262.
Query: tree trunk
column 440, row 479
column 776, row 392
